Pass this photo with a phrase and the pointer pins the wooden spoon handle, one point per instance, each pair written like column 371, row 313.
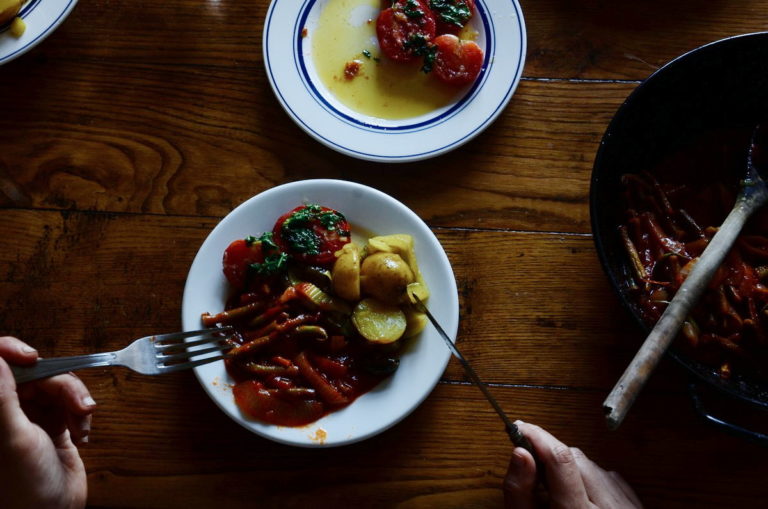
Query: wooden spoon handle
column 618, row 402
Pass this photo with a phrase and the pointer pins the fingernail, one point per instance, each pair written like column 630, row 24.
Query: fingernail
column 519, row 422
column 89, row 401
column 28, row 349
column 517, row 458
column 84, row 440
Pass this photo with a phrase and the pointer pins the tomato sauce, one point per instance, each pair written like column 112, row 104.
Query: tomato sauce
column 672, row 213
column 296, row 354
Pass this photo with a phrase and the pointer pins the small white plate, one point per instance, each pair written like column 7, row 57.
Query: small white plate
column 421, row 365
column 291, row 72
column 42, row 17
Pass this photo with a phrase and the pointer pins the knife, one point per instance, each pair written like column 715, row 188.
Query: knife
column 515, row 435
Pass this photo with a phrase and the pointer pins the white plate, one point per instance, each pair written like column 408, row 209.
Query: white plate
column 288, row 59
column 42, row 17
column 420, row 366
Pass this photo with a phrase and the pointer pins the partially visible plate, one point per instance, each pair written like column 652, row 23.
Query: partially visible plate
column 369, row 210
column 41, row 17
column 288, row 59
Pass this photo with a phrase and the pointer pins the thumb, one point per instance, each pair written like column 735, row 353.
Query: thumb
column 12, row 418
column 520, row 482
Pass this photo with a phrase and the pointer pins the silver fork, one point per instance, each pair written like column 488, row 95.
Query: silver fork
column 150, row 355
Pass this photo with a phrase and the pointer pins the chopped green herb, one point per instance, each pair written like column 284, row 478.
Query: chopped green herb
column 412, row 9
column 419, row 46
column 368, row 54
column 302, row 240
column 273, row 264
column 452, row 12
column 267, row 242
column 330, row 219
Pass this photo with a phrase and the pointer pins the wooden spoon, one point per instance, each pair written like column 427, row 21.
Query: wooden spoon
column 753, row 194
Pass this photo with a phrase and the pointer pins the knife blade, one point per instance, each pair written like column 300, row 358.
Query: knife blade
column 515, row 435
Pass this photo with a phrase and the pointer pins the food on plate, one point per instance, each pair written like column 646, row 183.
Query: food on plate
column 405, row 30
column 8, row 11
column 371, row 59
column 672, row 213
column 319, row 318
column 413, row 29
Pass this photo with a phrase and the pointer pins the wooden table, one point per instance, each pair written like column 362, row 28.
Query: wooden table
column 131, row 131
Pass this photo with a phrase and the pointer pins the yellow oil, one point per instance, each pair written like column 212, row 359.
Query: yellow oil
column 382, row 88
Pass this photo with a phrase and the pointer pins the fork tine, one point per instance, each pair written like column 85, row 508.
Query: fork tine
column 182, row 335
column 192, row 353
column 191, row 364
column 187, row 345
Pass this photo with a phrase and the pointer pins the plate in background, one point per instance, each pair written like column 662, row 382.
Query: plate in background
column 288, row 59
column 42, row 18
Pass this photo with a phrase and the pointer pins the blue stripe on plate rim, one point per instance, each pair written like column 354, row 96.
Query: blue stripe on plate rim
column 298, row 56
column 25, row 9
column 24, row 12
column 470, row 134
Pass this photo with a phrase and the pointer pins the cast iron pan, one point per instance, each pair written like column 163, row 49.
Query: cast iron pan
column 720, row 85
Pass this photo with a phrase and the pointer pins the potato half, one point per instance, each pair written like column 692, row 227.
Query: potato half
column 378, row 322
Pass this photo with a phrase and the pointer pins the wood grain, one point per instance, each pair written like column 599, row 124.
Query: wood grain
column 136, row 126
column 99, row 142
column 199, row 457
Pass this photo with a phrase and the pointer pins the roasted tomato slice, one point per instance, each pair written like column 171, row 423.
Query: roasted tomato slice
column 312, row 234
column 451, row 15
column 405, row 29
column 457, row 62
column 238, row 256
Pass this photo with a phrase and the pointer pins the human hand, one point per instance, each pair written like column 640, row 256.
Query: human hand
column 573, row 481
column 40, row 423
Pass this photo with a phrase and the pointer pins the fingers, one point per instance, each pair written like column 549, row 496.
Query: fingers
column 12, row 418
column 564, row 481
column 73, row 396
column 626, row 489
column 605, row 489
column 15, row 351
column 520, row 481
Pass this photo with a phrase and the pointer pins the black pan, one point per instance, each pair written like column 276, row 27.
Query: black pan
column 721, row 85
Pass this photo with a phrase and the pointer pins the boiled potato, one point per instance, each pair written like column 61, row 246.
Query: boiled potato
column 379, row 322
column 415, row 322
column 346, row 272
column 401, row 244
column 9, row 9
column 385, row 276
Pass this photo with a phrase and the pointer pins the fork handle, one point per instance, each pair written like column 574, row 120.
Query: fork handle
column 55, row 366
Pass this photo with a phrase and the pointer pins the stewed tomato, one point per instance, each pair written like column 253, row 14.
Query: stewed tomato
column 457, row 62
column 312, row 234
column 238, row 256
column 405, row 29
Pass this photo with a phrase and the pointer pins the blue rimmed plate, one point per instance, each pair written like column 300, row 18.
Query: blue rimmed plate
column 288, row 58
column 41, row 17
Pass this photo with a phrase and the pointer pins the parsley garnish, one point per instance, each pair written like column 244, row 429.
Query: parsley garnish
column 452, row 12
column 266, row 240
column 419, row 46
column 367, row 54
column 412, row 9
column 273, row 264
